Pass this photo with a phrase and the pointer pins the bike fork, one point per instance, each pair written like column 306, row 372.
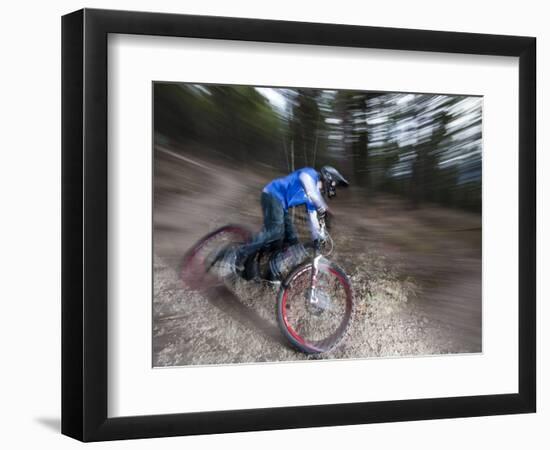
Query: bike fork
column 315, row 270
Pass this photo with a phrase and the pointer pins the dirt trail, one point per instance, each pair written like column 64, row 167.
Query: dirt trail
column 416, row 276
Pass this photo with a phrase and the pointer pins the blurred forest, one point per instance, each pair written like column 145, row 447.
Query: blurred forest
column 422, row 147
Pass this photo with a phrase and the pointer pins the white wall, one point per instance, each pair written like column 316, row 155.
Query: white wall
column 30, row 225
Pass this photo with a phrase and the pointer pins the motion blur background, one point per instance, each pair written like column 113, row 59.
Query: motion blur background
column 423, row 147
column 408, row 230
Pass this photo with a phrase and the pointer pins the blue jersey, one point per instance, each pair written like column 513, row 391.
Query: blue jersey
column 298, row 188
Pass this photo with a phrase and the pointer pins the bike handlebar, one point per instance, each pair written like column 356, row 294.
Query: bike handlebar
column 313, row 245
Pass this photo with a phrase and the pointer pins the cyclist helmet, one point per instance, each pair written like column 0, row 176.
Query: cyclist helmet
column 331, row 178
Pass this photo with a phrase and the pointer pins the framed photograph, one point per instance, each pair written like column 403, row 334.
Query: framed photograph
column 273, row 224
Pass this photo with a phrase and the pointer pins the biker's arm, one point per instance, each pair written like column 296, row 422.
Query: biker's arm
column 316, row 200
column 314, row 226
column 315, row 205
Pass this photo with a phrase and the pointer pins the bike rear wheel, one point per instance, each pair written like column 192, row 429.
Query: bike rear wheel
column 197, row 263
column 319, row 327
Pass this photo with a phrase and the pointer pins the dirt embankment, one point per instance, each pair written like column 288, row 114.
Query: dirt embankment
column 416, row 274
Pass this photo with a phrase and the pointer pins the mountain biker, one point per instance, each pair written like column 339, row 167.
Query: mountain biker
column 304, row 186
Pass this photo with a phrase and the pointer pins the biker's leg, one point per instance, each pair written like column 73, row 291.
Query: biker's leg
column 290, row 231
column 273, row 230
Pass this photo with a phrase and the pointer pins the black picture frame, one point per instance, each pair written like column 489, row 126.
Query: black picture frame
column 84, row 224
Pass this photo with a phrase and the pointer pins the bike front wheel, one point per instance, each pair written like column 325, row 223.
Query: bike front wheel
column 315, row 324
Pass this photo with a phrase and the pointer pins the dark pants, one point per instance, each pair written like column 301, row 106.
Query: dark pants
column 277, row 228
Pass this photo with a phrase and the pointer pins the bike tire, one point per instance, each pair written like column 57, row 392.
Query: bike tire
column 298, row 341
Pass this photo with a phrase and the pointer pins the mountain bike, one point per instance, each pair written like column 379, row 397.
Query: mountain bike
column 315, row 299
